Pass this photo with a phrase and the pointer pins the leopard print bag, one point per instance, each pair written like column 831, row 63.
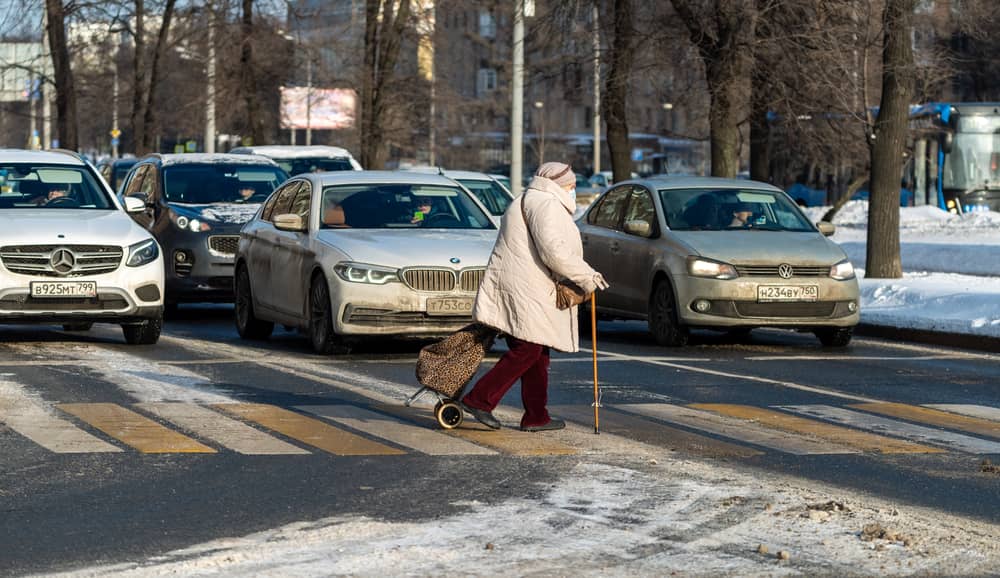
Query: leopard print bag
column 448, row 365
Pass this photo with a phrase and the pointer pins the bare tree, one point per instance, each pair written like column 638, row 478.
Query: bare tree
column 882, row 259
column 66, row 119
column 143, row 117
column 383, row 37
column 615, row 101
column 248, row 74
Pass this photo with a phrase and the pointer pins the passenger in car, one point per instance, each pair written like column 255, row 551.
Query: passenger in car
column 703, row 213
column 334, row 216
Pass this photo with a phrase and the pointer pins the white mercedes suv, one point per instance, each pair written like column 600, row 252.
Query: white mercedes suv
column 69, row 253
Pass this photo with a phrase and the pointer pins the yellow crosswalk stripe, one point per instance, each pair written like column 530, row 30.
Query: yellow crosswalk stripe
column 862, row 440
column 140, row 432
column 934, row 417
column 225, row 431
column 308, row 430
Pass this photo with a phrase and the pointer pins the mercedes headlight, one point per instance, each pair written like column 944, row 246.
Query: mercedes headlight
column 699, row 267
column 142, row 253
column 842, row 271
column 364, row 273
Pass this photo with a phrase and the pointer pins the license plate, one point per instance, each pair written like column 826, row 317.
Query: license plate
column 770, row 293
column 81, row 289
column 452, row 306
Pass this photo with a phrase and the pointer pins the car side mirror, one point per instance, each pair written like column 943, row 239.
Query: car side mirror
column 134, row 205
column 827, row 228
column 638, row 228
column 289, row 222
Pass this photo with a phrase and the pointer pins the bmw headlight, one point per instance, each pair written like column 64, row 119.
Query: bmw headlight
column 842, row 271
column 700, row 267
column 142, row 253
column 364, row 273
column 193, row 225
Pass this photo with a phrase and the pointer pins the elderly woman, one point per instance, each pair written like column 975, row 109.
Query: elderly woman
column 538, row 244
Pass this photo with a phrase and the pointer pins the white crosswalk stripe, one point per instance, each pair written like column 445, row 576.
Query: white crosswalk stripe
column 900, row 429
column 221, row 429
column 980, row 411
column 38, row 423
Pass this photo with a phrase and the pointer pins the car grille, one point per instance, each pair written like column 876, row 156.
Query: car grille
column 471, row 279
column 817, row 309
column 224, row 244
column 388, row 318
column 26, row 303
column 772, row 271
column 430, row 280
column 36, row 259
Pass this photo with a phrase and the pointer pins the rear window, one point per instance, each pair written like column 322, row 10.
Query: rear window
column 34, row 186
column 314, row 165
column 203, row 184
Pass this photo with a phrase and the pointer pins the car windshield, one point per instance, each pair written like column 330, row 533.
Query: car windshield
column 33, row 186
column 314, row 165
column 203, row 184
column 731, row 210
column 402, row 206
column 490, row 194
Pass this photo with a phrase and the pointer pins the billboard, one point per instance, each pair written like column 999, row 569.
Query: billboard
column 318, row 108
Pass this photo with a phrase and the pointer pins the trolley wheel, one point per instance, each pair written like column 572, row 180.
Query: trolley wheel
column 448, row 414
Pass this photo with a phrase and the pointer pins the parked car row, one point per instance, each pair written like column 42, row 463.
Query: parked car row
column 342, row 254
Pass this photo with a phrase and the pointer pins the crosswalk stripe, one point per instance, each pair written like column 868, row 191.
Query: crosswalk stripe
column 862, row 440
column 308, row 430
column 897, row 428
column 737, row 429
column 980, row 411
column 655, row 433
column 225, row 431
column 32, row 421
column 133, row 429
column 379, row 425
column 932, row 416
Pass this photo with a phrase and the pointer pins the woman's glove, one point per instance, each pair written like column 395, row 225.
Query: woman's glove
column 599, row 282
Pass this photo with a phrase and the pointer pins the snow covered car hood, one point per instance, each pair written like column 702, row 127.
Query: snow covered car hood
column 220, row 213
column 70, row 226
column 413, row 247
column 760, row 247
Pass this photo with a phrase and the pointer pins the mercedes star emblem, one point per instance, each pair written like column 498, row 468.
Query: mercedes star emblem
column 62, row 261
column 785, row 271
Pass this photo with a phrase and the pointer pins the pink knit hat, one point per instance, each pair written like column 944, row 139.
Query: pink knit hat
column 561, row 173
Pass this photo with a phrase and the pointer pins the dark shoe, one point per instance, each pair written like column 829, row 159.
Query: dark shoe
column 484, row 417
column 553, row 424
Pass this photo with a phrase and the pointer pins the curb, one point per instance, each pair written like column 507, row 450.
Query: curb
column 960, row 340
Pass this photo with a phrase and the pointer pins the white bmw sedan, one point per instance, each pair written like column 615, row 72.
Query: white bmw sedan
column 354, row 254
column 69, row 253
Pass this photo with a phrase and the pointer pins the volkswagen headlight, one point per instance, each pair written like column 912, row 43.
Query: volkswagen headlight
column 142, row 253
column 700, row 267
column 364, row 273
column 842, row 271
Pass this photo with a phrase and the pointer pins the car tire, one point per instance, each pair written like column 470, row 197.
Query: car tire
column 144, row 333
column 247, row 323
column 663, row 320
column 835, row 336
column 321, row 334
column 85, row 326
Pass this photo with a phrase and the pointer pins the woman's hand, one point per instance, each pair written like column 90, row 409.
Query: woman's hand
column 599, row 282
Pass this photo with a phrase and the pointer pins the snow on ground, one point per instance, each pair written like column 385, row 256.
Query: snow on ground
column 951, row 267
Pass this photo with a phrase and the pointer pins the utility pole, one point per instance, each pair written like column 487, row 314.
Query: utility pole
column 517, row 101
column 46, row 104
column 597, row 90
column 309, row 96
column 210, row 84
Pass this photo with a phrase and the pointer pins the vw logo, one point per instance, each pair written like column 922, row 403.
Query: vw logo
column 785, row 271
column 455, row 260
column 62, row 261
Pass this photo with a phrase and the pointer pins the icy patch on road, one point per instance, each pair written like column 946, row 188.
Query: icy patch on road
column 608, row 520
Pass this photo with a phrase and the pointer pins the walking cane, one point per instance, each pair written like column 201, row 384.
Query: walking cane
column 593, row 348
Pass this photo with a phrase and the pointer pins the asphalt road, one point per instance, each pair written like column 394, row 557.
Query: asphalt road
column 90, row 472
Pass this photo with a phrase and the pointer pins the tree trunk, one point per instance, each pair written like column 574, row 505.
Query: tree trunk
column 616, row 91
column 383, row 39
column 724, row 123
column 66, row 119
column 760, row 154
column 248, row 77
column 138, row 115
column 149, row 109
column 883, row 261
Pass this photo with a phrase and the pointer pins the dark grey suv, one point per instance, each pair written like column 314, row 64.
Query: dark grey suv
column 195, row 207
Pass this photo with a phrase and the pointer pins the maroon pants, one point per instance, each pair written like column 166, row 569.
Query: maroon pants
column 528, row 362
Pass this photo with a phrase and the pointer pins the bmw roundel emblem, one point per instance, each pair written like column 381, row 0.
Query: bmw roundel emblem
column 455, row 260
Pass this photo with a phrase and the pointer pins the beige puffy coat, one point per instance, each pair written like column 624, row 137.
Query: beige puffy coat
column 517, row 295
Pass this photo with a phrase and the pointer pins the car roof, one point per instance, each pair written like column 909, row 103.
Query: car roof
column 293, row 151
column 379, row 177
column 53, row 157
column 211, row 158
column 690, row 182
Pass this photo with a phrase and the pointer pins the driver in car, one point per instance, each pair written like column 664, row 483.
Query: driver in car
column 421, row 209
column 742, row 213
column 56, row 191
column 245, row 192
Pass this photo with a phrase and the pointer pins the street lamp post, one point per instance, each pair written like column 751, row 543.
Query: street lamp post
column 540, row 107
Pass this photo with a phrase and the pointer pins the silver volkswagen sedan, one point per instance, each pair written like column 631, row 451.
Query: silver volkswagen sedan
column 352, row 254
column 686, row 252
